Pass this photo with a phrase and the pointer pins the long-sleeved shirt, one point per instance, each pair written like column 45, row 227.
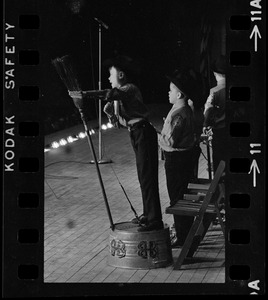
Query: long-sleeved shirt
column 214, row 113
column 178, row 130
column 130, row 104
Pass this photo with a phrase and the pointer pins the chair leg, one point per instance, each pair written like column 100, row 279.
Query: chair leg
column 207, row 220
column 195, row 244
column 220, row 218
column 221, row 196
column 188, row 243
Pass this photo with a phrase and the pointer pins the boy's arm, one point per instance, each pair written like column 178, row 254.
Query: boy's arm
column 101, row 94
column 110, row 112
column 116, row 94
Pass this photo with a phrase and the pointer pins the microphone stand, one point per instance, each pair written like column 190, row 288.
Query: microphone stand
column 79, row 104
column 101, row 160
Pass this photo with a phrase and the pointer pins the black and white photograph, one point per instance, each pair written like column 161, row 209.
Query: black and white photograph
column 133, row 147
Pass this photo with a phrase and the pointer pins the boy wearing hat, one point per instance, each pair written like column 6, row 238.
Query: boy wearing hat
column 214, row 112
column 177, row 140
column 126, row 109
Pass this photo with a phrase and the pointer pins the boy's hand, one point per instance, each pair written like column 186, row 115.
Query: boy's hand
column 208, row 132
column 76, row 94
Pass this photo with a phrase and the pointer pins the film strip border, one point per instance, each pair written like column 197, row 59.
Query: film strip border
column 23, row 186
column 23, row 203
column 245, row 192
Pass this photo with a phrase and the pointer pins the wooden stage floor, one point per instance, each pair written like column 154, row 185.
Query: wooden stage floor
column 76, row 229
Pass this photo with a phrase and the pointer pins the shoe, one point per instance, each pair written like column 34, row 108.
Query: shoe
column 156, row 225
column 142, row 218
column 175, row 243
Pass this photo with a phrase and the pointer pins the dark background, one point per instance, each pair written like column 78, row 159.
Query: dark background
column 162, row 35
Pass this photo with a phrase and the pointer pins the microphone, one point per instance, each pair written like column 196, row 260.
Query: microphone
column 102, row 23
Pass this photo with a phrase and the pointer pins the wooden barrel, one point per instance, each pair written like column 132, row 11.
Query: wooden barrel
column 131, row 249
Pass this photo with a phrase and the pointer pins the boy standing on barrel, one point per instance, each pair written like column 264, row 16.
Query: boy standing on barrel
column 125, row 108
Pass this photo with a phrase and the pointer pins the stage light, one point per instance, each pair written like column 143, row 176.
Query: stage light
column 73, row 138
column 70, row 139
column 55, row 145
column 62, row 142
column 82, row 135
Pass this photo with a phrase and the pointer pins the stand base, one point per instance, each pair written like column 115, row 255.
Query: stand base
column 131, row 249
column 102, row 161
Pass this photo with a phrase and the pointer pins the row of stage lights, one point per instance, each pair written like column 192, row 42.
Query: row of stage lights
column 73, row 138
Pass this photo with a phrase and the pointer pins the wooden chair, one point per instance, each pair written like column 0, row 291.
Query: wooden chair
column 197, row 191
column 197, row 208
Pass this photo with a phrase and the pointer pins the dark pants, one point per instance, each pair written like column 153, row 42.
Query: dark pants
column 179, row 168
column 144, row 142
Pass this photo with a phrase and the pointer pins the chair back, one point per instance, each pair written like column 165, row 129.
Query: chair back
column 212, row 188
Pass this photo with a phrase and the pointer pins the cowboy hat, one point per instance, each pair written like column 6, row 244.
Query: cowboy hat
column 124, row 63
column 192, row 84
